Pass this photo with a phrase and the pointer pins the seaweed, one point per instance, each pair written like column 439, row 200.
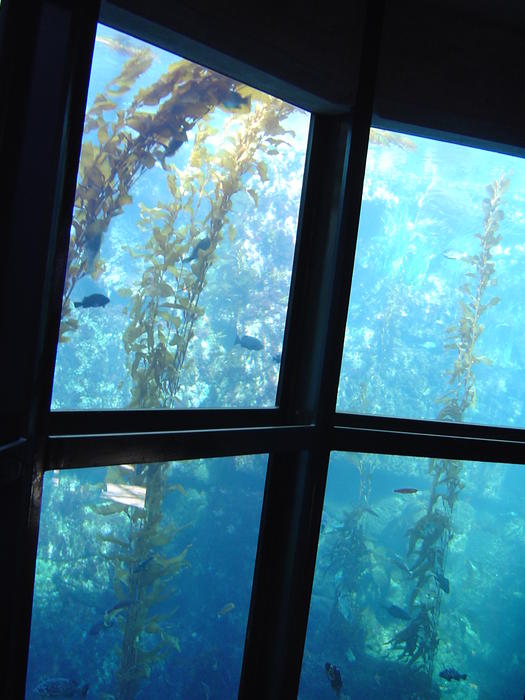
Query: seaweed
column 429, row 538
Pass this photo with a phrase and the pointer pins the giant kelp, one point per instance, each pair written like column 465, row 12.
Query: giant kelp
column 181, row 248
column 181, row 238
column 430, row 536
column 120, row 144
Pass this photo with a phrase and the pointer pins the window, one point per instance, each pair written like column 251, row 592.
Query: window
column 145, row 570
column 418, row 564
column 182, row 237
column 432, row 329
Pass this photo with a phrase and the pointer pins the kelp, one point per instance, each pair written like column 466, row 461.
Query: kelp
column 429, row 538
column 181, row 247
column 119, row 145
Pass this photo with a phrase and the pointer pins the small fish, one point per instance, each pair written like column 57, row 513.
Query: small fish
column 61, row 688
column 443, row 582
column 97, row 628
column 203, row 245
column 233, row 100
column 398, row 612
column 405, row 490
column 277, row 357
column 248, row 342
column 450, row 674
column 334, row 676
column 226, row 609
column 92, row 301
column 454, row 255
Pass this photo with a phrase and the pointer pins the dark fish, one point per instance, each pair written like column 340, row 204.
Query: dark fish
column 405, row 490
column 398, row 612
column 276, row 357
column 91, row 301
column 61, row 688
column 334, row 676
column 450, row 674
column 233, row 100
column 443, row 582
column 248, row 342
column 203, row 244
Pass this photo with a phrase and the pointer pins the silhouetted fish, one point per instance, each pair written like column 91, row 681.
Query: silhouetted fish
column 248, row 342
column 233, row 100
column 405, row 490
column 203, row 244
column 450, row 674
column 91, row 301
column 276, row 357
column 334, row 676
column 398, row 612
column 61, row 688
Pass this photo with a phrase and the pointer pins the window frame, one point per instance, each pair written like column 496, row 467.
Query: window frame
column 303, row 429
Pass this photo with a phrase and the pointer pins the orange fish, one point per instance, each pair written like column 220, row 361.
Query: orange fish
column 405, row 490
column 226, row 609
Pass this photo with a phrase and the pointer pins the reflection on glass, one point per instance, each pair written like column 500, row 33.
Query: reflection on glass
column 418, row 585
column 433, row 325
column 182, row 236
column 143, row 579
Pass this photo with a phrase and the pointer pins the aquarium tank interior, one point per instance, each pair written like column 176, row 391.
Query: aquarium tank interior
column 263, row 432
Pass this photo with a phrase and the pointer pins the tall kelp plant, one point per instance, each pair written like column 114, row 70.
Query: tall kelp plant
column 185, row 233
column 430, row 537
column 120, row 144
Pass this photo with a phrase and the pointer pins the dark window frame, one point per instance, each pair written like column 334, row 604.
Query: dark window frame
column 299, row 433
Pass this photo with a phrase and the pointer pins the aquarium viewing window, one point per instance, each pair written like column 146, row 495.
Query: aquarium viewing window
column 182, row 238
column 334, row 310
column 433, row 327
column 156, row 560
column 419, row 561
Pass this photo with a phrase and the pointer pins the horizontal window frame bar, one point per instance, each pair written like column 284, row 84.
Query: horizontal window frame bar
column 429, row 439
column 162, row 420
column 83, row 451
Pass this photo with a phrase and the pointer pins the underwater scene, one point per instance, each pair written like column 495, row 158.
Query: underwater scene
column 418, row 591
column 143, row 579
column 182, row 236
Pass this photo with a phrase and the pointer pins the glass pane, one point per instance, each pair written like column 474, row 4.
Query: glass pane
column 418, row 589
column 143, row 579
column 182, row 236
column 433, row 329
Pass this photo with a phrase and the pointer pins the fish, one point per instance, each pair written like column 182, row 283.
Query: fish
column 92, row 301
column 398, row 612
column 450, row 674
column 226, row 609
column 61, row 688
column 248, row 342
column 277, row 357
column 443, row 582
column 203, row 245
column 334, row 676
column 405, row 490
column 454, row 255
column 233, row 100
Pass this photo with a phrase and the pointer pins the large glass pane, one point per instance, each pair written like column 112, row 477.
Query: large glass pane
column 143, row 579
column 433, row 329
column 418, row 589
column 182, row 236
